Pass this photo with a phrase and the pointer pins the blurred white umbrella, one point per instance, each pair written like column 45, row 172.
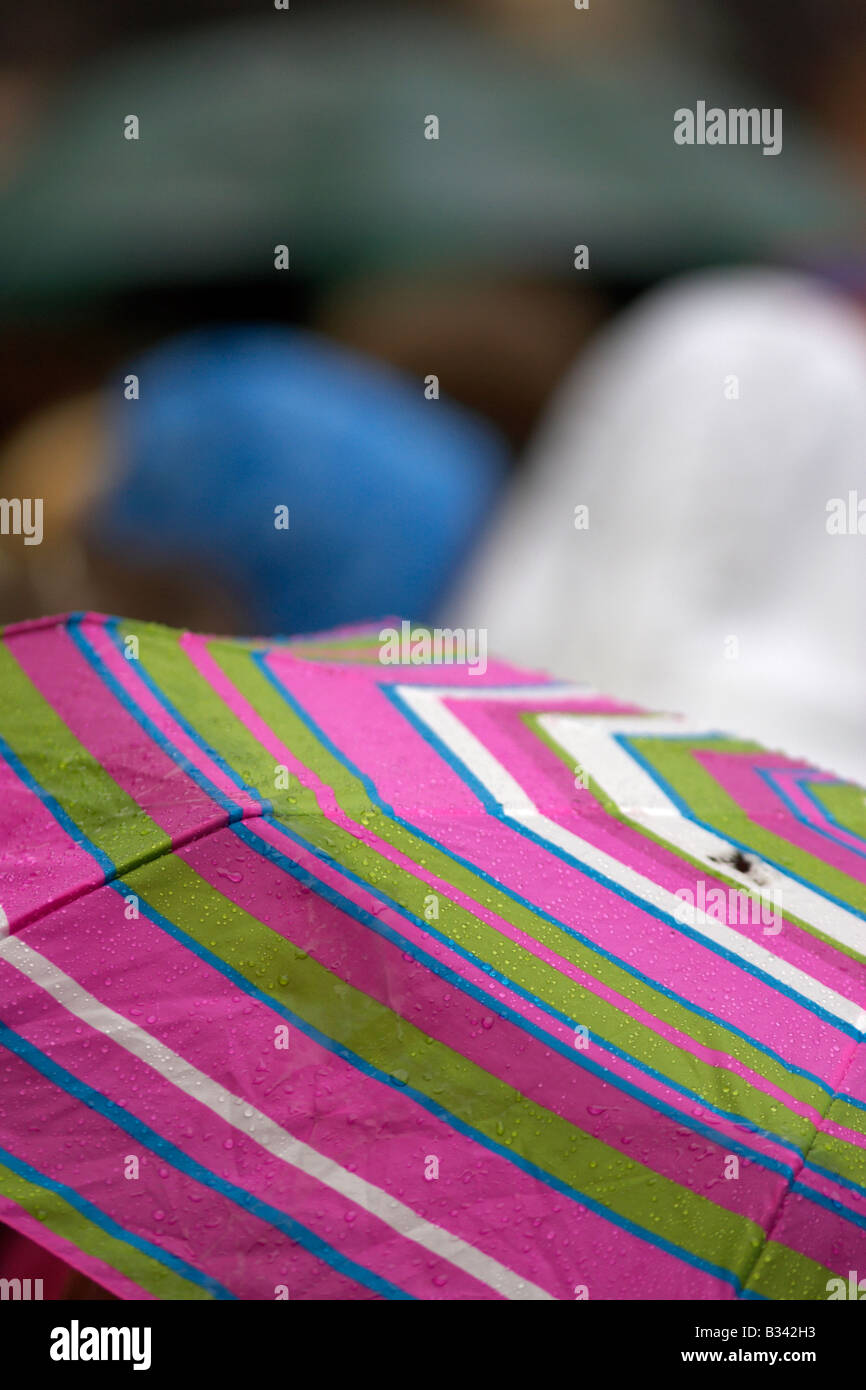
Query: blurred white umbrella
column 707, row 433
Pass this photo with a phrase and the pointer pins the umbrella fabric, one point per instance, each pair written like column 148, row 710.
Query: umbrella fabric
column 330, row 978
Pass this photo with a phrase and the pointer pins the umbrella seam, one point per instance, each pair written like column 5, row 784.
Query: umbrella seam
column 792, row 1181
column 120, row 871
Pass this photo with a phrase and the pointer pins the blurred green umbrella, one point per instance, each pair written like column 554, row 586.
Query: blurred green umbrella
column 312, row 134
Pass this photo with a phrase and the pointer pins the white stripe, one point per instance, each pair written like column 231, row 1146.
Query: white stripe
column 589, row 739
column 550, row 693
column 237, row 1111
column 516, row 803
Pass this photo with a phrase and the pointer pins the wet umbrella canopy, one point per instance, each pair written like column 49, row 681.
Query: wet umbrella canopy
column 328, row 977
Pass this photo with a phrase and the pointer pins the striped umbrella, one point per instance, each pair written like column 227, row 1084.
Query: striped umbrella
column 326, row 977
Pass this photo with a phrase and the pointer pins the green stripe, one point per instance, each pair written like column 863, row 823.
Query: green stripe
column 846, row 803
column 785, row 1274
column 832, row 1152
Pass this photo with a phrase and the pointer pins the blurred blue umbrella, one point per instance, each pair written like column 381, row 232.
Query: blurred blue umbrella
column 319, row 488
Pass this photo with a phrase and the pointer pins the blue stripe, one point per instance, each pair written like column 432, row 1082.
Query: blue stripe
column 829, row 1203
column 819, row 1197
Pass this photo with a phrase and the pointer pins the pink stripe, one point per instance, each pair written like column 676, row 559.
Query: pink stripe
column 39, row 863
column 820, row 1234
column 855, row 1078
